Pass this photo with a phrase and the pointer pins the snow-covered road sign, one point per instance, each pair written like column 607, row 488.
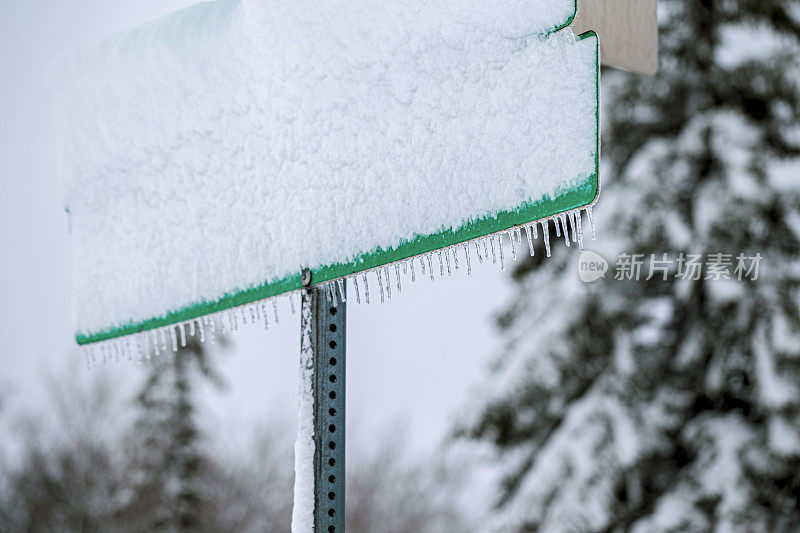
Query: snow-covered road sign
column 212, row 155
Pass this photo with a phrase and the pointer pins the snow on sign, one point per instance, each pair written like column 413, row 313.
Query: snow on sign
column 212, row 155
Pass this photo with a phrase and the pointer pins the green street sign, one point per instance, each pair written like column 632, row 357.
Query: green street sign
column 211, row 156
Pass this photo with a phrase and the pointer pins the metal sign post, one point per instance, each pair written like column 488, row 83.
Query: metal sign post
column 328, row 336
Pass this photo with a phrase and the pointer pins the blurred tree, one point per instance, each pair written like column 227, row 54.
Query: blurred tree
column 669, row 405
column 62, row 471
column 389, row 492
column 168, row 459
column 91, row 463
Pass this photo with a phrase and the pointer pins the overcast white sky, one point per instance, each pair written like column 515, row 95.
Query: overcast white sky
column 415, row 358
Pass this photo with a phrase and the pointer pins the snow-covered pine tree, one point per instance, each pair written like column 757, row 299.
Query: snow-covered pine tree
column 669, row 405
column 168, row 459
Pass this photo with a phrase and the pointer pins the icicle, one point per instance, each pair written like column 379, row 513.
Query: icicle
column 145, row 346
column 491, row 244
column 163, row 340
column 264, row 314
column 397, row 273
column 142, row 351
column 469, row 266
column 430, row 265
column 478, row 251
column 557, row 225
column 154, row 339
column 447, row 260
column 275, row 310
column 366, row 288
column 413, row 275
column 455, row 256
column 572, row 226
column 358, row 293
column 253, row 314
column 380, row 283
column 441, row 263
column 291, row 303
column 535, row 231
column 513, row 245
column 563, row 218
column 546, row 237
column 183, row 335
column 530, row 239
column 224, row 324
column 405, row 267
column 212, row 331
column 149, row 347
column 192, row 329
column 580, row 230
column 485, row 249
column 243, row 311
column 138, row 348
column 331, row 293
column 174, row 337
column 340, row 282
column 257, row 307
column 591, row 220
column 500, row 245
column 129, row 348
column 235, row 320
column 388, row 282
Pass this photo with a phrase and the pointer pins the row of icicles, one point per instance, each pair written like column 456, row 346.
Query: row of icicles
column 148, row 344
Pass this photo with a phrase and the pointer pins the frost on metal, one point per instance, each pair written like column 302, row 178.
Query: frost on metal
column 220, row 148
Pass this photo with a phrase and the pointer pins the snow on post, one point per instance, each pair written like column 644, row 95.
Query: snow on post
column 304, row 447
column 211, row 155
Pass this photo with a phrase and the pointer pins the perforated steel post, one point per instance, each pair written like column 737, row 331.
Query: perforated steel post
column 328, row 341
